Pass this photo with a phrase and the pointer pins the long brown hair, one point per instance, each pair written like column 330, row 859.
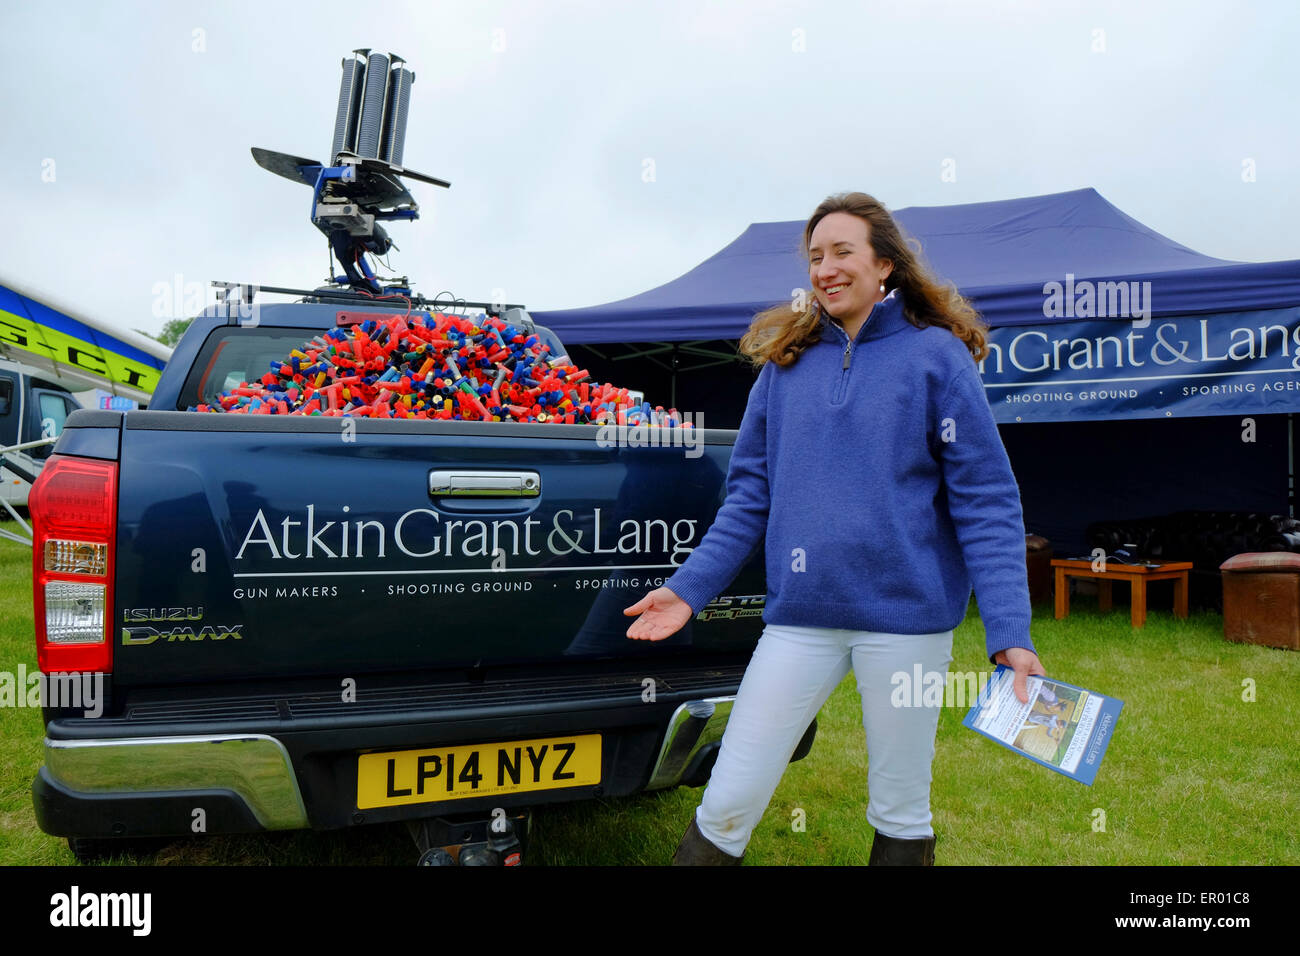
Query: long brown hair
column 781, row 333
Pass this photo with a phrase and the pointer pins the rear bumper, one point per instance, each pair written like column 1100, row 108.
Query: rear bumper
column 152, row 786
column 133, row 780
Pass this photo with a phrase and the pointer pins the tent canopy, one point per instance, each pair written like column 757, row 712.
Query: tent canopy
column 1223, row 342
column 999, row 254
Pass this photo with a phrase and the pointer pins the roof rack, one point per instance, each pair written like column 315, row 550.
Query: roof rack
column 248, row 290
column 243, row 293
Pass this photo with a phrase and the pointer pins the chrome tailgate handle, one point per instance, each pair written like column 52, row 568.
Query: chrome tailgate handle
column 484, row 484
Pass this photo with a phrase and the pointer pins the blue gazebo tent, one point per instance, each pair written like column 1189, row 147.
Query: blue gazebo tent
column 1161, row 358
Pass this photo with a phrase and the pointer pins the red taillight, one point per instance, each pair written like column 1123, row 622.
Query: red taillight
column 74, row 516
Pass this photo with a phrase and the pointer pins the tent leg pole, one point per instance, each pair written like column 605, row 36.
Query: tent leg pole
column 672, row 388
column 1290, row 463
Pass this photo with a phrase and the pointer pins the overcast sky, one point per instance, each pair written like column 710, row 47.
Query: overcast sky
column 599, row 149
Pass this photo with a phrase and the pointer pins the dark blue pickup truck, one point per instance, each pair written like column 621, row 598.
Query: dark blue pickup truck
column 307, row 624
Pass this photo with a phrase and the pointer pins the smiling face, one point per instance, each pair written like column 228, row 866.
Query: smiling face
column 843, row 268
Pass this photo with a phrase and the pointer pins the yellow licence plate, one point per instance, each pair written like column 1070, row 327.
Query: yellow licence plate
column 453, row 773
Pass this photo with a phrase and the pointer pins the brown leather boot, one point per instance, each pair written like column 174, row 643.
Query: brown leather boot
column 695, row 850
column 892, row 851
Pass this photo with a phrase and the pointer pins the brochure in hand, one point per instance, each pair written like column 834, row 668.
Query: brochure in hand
column 1064, row 727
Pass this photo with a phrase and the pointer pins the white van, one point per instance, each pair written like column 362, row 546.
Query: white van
column 32, row 407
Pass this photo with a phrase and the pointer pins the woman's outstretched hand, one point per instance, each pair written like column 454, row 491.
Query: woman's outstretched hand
column 662, row 615
column 1024, row 662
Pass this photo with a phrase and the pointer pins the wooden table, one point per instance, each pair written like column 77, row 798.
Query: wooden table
column 1136, row 575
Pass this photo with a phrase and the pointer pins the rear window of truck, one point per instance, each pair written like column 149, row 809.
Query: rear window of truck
column 234, row 355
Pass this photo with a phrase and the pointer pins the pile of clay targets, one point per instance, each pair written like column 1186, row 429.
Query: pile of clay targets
column 439, row 367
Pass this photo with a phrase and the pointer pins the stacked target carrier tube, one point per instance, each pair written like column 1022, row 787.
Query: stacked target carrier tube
column 373, row 100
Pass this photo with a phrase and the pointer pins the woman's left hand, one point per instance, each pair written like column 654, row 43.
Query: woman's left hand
column 1024, row 662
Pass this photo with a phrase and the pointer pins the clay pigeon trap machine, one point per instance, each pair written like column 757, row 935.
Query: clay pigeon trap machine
column 362, row 185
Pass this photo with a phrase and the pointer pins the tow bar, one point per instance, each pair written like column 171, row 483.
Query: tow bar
column 471, row 839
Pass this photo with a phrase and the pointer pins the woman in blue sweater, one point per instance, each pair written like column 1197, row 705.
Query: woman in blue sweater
column 869, row 464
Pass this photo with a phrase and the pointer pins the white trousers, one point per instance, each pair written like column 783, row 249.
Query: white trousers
column 792, row 672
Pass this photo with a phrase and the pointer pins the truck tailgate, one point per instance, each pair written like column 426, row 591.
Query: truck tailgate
column 259, row 546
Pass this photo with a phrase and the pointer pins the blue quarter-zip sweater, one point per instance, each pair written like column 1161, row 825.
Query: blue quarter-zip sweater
column 876, row 475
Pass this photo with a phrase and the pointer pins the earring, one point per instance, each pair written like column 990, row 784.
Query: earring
column 882, row 285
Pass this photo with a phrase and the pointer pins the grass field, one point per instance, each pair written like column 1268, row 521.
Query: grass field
column 1194, row 774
